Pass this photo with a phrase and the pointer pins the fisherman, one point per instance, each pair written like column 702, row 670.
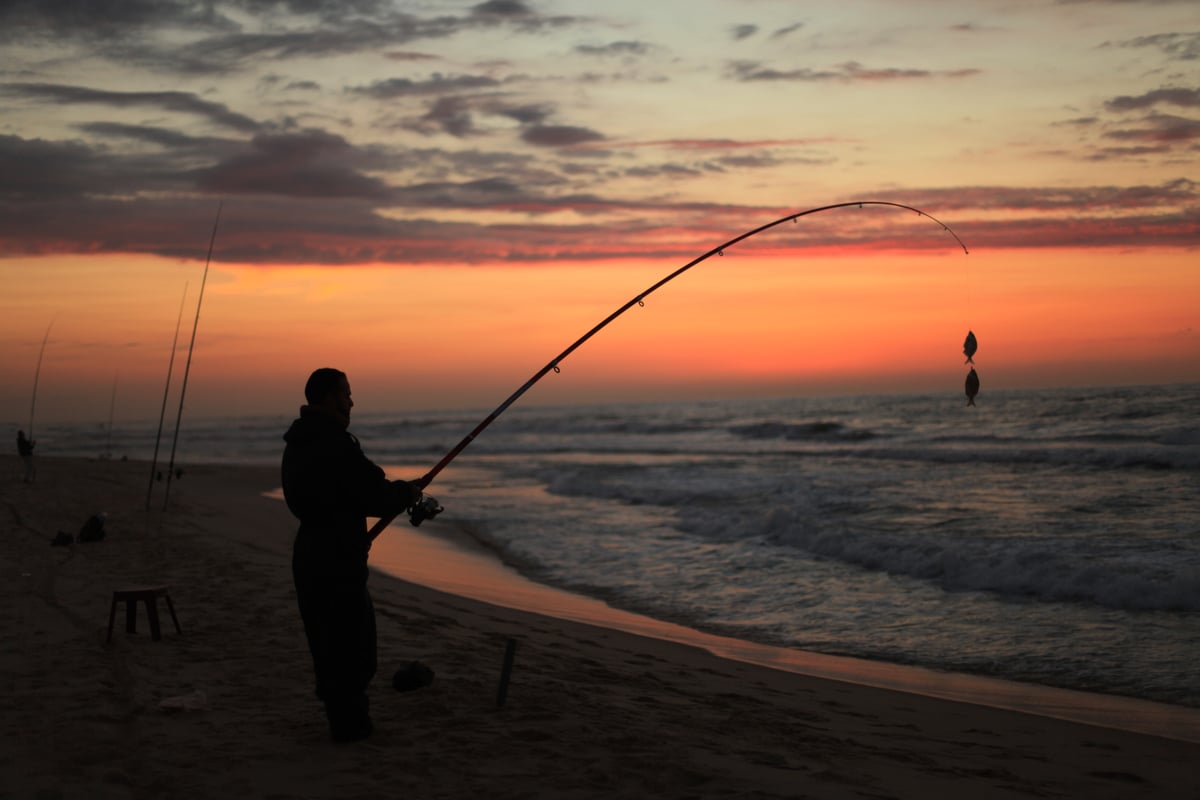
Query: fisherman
column 332, row 487
column 25, row 450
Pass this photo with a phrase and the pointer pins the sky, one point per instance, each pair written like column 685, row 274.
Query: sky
column 440, row 197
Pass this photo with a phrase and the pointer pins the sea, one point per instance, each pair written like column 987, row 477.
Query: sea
column 1049, row 536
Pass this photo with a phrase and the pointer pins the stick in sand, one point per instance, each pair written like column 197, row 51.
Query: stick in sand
column 166, row 390
column 510, row 650
column 188, row 366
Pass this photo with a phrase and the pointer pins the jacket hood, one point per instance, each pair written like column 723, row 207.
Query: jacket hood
column 312, row 423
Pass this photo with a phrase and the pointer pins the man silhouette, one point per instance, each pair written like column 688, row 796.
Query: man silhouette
column 332, row 487
column 25, row 450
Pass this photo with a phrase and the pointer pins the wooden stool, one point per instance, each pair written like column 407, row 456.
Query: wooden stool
column 147, row 594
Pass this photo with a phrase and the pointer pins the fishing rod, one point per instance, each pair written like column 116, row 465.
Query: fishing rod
column 428, row 507
column 36, row 374
column 162, row 414
column 112, row 412
column 188, row 366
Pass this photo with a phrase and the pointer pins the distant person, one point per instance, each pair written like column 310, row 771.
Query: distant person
column 332, row 487
column 25, row 449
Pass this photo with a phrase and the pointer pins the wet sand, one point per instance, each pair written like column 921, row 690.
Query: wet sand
column 226, row 709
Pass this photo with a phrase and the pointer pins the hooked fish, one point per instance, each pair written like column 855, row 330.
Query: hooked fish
column 969, row 347
column 972, row 387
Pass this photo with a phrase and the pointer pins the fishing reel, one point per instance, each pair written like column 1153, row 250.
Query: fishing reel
column 425, row 508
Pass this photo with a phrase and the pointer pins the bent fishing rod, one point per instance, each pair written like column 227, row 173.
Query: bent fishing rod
column 427, row 508
column 37, row 374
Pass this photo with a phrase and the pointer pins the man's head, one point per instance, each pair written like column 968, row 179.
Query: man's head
column 329, row 390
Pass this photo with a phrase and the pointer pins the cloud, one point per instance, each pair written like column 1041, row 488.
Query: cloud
column 1160, row 128
column 456, row 115
column 502, row 8
column 311, row 197
column 450, row 115
column 1177, row 46
column 163, row 137
column 56, row 19
column 181, row 102
column 1081, row 122
column 36, row 170
column 727, row 144
column 851, row 71
column 1178, row 193
column 306, row 164
column 527, row 114
column 205, row 41
column 519, row 15
column 410, row 56
column 787, row 30
column 435, row 84
column 1187, row 98
column 623, row 49
column 559, row 135
column 740, row 32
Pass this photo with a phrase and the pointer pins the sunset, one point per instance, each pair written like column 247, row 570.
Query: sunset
column 548, row 398
column 470, row 189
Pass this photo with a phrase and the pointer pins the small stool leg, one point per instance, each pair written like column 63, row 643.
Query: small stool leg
column 152, row 613
column 130, row 615
column 171, row 608
column 112, row 616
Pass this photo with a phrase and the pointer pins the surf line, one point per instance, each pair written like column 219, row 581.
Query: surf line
column 428, row 507
column 187, row 368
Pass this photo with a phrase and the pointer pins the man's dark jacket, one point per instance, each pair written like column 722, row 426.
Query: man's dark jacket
column 332, row 487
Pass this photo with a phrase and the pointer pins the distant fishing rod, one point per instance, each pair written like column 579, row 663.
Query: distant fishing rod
column 428, row 507
column 36, row 374
column 188, row 366
column 162, row 414
column 112, row 412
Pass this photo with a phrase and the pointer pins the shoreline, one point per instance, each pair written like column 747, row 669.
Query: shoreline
column 225, row 708
column 437, row 561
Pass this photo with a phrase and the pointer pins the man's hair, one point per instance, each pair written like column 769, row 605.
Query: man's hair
column 322, row 383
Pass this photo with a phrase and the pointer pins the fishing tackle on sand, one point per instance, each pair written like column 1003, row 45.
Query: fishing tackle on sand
column 428, row 507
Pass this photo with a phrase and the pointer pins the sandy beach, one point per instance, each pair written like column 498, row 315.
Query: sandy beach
column 226, row 709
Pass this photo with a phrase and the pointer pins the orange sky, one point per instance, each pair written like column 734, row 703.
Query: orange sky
column 731, row 326
column 443, row 205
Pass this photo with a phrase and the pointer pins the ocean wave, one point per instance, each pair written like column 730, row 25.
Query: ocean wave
column 1040, row 568
column 791, row 432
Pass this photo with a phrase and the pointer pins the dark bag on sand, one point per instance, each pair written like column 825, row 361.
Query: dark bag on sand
column 413, row 675
column 93, row 529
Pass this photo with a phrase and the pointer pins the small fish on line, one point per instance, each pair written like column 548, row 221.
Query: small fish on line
column 972, row 387
column 969, row 347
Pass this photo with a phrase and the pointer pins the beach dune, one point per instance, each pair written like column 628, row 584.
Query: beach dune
column 226, row 708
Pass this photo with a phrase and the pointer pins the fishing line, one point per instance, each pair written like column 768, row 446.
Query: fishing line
column 421, row 511
column 188, row 366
